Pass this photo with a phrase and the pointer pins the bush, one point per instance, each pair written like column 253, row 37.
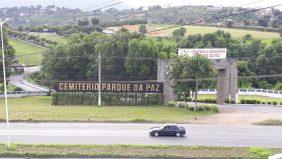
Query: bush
column 171, row 103
column 209, row 108
column 280, row 103
column 243, row 101
column 269, row 103
column 274, row 103
column 258, row 101
column 182, row 105
column 262, row 102
column 107, row 99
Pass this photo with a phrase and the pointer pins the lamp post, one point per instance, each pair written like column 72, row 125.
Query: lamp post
column 5, row 85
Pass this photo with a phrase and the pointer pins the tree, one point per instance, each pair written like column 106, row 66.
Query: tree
column 9, row 54
column 83, row 23
column 178, row 33
column 247, row 37
column 141, row 59
column 143, row 29
column 229, row 23
column 95, row 21
column 190, row 68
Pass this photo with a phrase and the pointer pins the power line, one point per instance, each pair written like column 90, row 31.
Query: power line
column 215, row 78
column 128, row 36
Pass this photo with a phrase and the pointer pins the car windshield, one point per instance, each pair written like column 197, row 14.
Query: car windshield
column 163, row 126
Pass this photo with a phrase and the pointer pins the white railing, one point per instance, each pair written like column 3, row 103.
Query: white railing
column 25, row 93
column 258, row 92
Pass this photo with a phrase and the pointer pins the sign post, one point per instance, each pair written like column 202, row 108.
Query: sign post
column 100, row 83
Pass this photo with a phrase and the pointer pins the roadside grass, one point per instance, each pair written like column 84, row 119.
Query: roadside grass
column 23, row 48
column 269, row 122
column 261, row 98
column 139, row 151
column 39, row 109
column 57, row 38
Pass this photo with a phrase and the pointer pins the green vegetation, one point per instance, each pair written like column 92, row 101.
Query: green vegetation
column 23, row 48
column 260, row 98
column 53, row 37
column 108, row 99
column 40, row 109
column 9, row 88
column 138, row 151
column 265, row 36
column 270, row 122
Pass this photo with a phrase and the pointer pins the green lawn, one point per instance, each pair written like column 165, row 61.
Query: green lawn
column 59, row 39
column 23, row 48
column 134, row 151
column 235, row 33
column 40, row 109
column 265, row 36
column 261, row 98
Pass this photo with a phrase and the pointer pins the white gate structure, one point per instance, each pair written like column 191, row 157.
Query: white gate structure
column 257, row 92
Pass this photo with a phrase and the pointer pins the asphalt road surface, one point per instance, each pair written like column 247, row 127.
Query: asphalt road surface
column 17, row 80
column 109, row 133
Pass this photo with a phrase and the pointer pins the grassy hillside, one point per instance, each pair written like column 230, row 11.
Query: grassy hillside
column 53, row 37
column 23, row 48
column 192, row 30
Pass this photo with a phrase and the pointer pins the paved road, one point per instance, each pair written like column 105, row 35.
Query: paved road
column 109, row 133
column 17, row 80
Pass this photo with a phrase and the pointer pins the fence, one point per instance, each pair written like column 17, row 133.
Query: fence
column 258, row 92
column 16, row 94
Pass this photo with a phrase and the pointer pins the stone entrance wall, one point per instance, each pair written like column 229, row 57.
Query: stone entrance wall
column 226, row 83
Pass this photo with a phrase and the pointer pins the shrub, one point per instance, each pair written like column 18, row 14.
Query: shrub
column 107, row 99
column 280, row 103
column 274, row 103
column 182, row 105
column 262, row 102
column 269, row 103
column 258, row 101
column 171, row 103
column 243, row 101
column 209, row 108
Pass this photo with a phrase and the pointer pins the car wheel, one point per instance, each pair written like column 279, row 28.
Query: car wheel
column 156, row 134
column 178, row 134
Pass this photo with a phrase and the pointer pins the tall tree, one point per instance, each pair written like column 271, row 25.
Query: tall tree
column 141, row 59
column 95, row 21
column 9, row 55
column 143, row 29
column 190, row 68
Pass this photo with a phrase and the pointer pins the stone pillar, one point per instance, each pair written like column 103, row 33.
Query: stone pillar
column 233, row 90
column 227, row 79
column 163, row 77
column 221, row 86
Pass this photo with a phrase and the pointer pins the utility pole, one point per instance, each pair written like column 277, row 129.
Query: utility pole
column 100, row 84
column 5, row 85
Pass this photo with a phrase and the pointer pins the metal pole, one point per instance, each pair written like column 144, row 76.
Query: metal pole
column 5, row 87
column 100, row 84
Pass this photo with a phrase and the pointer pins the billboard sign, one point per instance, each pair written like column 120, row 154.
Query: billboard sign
column 127, row 87
column 209, row 53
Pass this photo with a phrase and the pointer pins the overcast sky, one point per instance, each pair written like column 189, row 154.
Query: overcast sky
column 138, row 3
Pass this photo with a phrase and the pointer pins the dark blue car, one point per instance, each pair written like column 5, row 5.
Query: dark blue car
column 168, row 130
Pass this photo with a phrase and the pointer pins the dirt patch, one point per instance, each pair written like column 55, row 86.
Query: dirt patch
column 241, row 115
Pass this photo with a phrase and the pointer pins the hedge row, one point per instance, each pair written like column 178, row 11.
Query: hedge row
column 254, row 101
column 31, row 38
column 107, row 99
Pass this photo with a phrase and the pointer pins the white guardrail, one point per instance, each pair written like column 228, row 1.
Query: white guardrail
column 258, row 92
column 25, row 93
